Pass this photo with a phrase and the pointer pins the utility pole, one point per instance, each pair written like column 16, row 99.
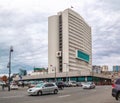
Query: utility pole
column 9, row 66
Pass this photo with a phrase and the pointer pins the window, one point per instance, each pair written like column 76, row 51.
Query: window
column 46, row 85
column 49, row 85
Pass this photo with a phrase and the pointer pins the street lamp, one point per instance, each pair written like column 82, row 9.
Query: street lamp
column 9, row 66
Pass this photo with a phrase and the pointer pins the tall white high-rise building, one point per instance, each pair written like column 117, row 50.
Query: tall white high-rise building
column 69, row 43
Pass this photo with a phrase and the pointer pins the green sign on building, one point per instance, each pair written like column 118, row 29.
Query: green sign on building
column 83, row 56
column 39, row 69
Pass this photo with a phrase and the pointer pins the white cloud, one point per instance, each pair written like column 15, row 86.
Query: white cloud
column 23, row 24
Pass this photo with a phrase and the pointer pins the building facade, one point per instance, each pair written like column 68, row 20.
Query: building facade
column 69, row 51
column 96, row 69
column 69, row 43
column 116, row 68
column 22, row 72
column 104, row 68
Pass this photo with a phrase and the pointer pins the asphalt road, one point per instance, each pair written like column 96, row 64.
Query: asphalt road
column 102, row 94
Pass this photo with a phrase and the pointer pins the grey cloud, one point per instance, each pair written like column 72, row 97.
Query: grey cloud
column 111, row 4
column 14, row 18
column 105, row 23
column 27, row 34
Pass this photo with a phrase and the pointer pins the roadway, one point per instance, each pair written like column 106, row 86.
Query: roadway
column 102, row 94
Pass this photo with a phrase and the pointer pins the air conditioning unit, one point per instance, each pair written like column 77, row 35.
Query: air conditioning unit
column 58, row 53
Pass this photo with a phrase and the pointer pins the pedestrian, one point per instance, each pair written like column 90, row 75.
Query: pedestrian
column 2, row 86
column 23, row 84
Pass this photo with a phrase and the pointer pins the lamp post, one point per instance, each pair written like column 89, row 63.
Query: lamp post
column 9, row 66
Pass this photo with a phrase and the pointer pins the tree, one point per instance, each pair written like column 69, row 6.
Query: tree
column 4, row 78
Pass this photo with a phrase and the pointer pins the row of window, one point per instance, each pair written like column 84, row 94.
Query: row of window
column 74, row 40
column 75, row 33
column 60, row 42
column 78, row 20
column 73, row 45
column 80, row 33
column 80, row 24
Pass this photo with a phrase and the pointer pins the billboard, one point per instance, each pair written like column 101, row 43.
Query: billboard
column 83, row 56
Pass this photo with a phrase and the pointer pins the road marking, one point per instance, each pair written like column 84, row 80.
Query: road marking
column 63, row 96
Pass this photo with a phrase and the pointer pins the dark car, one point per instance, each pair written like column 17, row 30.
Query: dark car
column 60, row 84
column 116, row 89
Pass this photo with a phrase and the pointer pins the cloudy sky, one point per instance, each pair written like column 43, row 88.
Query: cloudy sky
column 24, row 25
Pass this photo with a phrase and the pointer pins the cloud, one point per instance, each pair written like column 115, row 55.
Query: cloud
column 24, row 25
column 103, row 17
column 27, row 33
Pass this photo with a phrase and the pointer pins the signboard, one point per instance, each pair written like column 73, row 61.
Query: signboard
column 39, row 69
column 83, row 56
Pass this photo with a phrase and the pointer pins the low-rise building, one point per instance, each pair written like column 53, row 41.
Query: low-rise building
column 22, row 72
column 38, row 71
column 116, row 68
column 104, row 68
column 96, row 69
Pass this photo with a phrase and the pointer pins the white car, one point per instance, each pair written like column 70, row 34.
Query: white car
column 43, row 88
column 14, row 86
column 2, row 83
column 88, row 85
column 72, row 83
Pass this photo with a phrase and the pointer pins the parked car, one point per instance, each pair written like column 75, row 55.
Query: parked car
column 2, row 83
column 88, row 85
column 33, row 84
column 66, row 84
column 60, row 84
column 43, row 88
column 79, row 84
column 13, row 86
column 116, row 89
column 72, row 83
column 30, row 85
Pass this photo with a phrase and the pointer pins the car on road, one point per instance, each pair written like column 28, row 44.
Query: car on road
column 60, row 84
column 78, row 84
column 88, row 85
column 30, row 85
column 13, row 86
column 116, row 89
column 2, row 83
column 66, row 84
column 43, row 88
column 33, row 84
column 72, row 83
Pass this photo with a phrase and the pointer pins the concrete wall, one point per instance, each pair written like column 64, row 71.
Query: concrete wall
column 53, row 43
